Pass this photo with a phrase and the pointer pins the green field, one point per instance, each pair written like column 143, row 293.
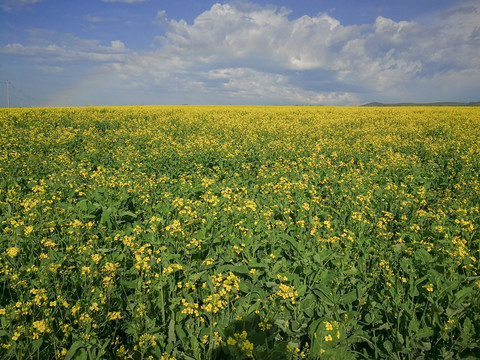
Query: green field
column 195, row 232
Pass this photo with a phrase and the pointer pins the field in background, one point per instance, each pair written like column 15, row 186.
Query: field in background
column 239, row 232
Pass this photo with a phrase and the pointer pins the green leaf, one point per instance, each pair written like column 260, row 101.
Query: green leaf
column 400, row 338
column 387, row 344
column 106, row 250
column 35, row 345
column 349, row 298
column 194, row 344
column 196, row 276
column 131, row 331
column 468, row 331
column 315, row 337
column 83, row 355
column 180, row 333
column 463, row 293
column 105, row 219
column 171, row 331
column 73, row 349
column 298, row 246
column 424, row 333
column 132, row 284
column 413, row 326
column 245, row 286
column 323, row 296
column 256, row 264
column 127, row 213
column 307, row 305
column 423, row 256
column 83, row 205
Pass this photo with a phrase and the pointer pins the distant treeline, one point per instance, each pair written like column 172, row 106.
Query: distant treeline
column 442, row 103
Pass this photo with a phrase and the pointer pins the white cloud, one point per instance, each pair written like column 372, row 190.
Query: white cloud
column 248, row 85
column 97, row 19
column 264, row 45
column 11, row 5
column 117, row 45
column 125, row 1
column 51, row 47
column 50, row 69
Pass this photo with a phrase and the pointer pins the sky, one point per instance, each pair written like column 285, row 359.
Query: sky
column 239, row 52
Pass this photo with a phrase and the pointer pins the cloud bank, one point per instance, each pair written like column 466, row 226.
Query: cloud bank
column 251, row 52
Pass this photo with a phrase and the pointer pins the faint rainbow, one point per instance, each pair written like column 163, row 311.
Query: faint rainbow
column 83, row 92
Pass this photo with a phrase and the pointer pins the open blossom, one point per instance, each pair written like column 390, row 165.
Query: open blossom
column 114, row 315
column 429, row 287
column 12, row 252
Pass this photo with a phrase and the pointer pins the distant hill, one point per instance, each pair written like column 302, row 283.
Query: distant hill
column 443, row 103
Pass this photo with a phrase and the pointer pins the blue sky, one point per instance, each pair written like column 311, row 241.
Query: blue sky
column 343, row 52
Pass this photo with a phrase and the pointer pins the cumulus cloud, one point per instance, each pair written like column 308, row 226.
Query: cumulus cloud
column 248, row 49
column 248, row 84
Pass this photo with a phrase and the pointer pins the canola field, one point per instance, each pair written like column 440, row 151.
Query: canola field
column 203, row 232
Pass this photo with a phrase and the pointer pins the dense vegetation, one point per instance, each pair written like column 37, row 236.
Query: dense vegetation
column 240, row 232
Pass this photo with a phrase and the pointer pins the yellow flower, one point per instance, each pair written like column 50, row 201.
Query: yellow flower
column 231, row 341
column 41, row 326
column 429, row 287
column 328, row 337
column 208, row 261
column 28, row 230
column 12, row 252
column 96, row 258
column 94, row 307
column 114, row 315
column 75, row 308
column 247, row 346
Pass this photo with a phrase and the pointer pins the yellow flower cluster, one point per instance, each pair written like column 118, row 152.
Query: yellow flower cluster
column 172, row 268
column 12, row 252
column 223, row 290
column 136, row 229
column 242, row 343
